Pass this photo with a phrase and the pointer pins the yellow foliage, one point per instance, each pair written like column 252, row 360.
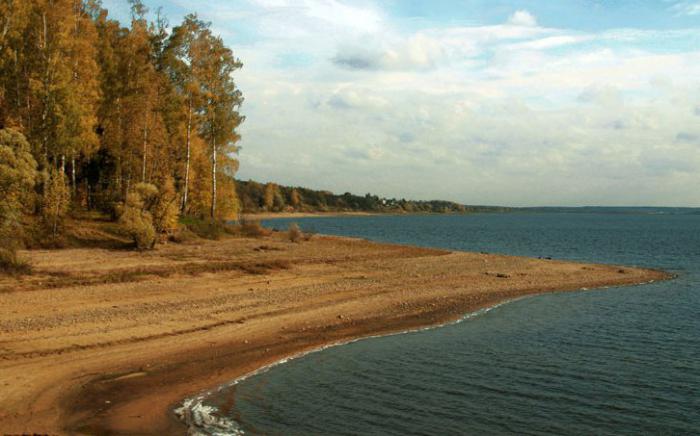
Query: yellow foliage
column 148, row 212
column 269, row 196
column 55, row 201
column 296, row 199
column 294, row 233
column 17, row 178
column 166, row 209
column 136, row 218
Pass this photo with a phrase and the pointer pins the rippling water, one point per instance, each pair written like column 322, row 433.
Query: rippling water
column 617, row 361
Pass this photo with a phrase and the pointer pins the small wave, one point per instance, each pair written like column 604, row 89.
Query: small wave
column 206, row 420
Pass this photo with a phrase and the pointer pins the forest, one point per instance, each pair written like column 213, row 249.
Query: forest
column 269, row 197
column 133, row 123
column 136, row 121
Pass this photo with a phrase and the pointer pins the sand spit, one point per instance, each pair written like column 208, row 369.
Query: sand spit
column 108, row 341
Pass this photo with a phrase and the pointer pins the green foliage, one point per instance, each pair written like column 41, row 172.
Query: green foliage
column 17, row 179
column 206, row 228
column 256, row 197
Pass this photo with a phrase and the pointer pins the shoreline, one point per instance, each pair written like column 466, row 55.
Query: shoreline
column 119, row 357
column 289, row 215
column 195, row 416
column 192, row 410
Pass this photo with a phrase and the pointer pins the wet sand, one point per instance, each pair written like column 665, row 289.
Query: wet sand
column 110, row 341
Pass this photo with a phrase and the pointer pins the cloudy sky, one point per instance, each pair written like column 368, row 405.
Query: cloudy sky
column 511, row 102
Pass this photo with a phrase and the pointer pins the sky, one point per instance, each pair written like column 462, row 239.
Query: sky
column 495, row 102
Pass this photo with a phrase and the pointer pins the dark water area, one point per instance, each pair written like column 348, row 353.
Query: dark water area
column 613, row 361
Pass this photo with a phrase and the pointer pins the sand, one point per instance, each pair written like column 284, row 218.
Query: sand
column 110, row 341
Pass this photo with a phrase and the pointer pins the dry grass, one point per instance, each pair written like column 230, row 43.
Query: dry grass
column 253, row 229
column 294, row 233
column 11, row 264
column 128, row 275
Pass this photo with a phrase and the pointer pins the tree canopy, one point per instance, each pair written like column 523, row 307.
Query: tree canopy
column 106, row 106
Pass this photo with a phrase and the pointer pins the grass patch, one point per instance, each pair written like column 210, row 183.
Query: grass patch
column 62, row 280
column 294, row 233
column 253, row 229
column 205, row 228
column 11, row 264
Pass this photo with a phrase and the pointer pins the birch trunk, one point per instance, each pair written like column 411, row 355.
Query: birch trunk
column 213, row 180
column 72, row 175
column 145, row 148
column 187, row 161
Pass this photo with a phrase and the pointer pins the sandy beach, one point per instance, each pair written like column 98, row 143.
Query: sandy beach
column 109, row 341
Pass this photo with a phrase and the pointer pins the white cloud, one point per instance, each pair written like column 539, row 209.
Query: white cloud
column 494, row 114
column 687, row 8
column 522, row 18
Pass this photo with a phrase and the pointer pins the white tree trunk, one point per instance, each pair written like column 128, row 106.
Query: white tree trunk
column 213, row 180
column 145, row 149
column 187, row 161
column 72, row 174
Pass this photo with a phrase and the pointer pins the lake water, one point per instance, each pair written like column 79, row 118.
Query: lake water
column 615, row 361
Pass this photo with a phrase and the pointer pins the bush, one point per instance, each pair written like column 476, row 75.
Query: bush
column 294, row 233
column 10, row 263
column 148, row 213
column 55, row 202
column 17, row 180
column 165, row 208
column 254, row 229
column 206, row 228
column 135, row 217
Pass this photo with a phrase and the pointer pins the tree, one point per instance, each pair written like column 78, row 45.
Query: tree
column 183, row 58
column 17, row 179
column 165, row 209
column 83, row 90
column 136, row 217
column 216, row 65
column 269, row 196
column 296, row 199
column 105, row 107
column 55, row 201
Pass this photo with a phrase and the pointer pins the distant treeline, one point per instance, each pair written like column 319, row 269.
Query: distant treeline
column 270, row 197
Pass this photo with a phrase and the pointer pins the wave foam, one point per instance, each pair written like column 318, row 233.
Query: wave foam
column 205, row 420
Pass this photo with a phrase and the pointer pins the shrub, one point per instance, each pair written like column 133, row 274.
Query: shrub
column 294, row 233
column 165, row 208
column 55, row 202
column 206, row 228
column 17, row 180
column 182, row 235
column 309, row 233
column 254, row 229
column 10, row 263
column 136, row 218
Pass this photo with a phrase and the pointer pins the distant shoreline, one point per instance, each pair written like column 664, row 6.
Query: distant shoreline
column 285, row 215
column 111, row 341
column 621, row 210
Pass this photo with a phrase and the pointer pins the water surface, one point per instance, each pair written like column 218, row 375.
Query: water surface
column 617, row 361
